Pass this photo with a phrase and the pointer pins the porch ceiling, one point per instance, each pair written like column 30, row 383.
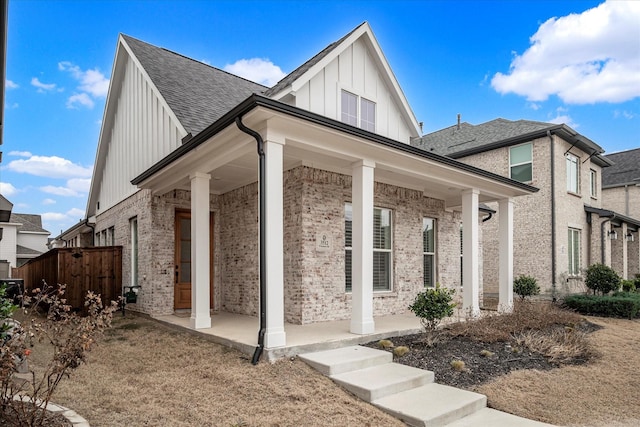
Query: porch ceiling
column 230, row 157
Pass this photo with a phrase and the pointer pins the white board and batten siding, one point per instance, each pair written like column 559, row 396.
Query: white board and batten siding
column 143, row 132
column 355, row 71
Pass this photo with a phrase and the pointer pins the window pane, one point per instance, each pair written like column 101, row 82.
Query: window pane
column 347, row 270
column 572, row 173
column 381, row 269
column 381, row 228
column 428, row 270
column 522, row 173
column 520, row 154
column 428, row 236
column 349, row 108
column 185, row 272
column 348, row 224
column 367, row 115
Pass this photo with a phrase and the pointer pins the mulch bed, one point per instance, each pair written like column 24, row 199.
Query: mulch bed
column 479, row 369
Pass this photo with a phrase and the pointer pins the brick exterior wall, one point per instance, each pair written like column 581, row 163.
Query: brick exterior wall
column 623, row 200
column 314, row 279
column 532, row 218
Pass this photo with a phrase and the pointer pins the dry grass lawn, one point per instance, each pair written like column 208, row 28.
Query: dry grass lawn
column 603, row 393
column 143, row 373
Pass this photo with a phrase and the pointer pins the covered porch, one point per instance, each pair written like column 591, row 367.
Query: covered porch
column 223, row 158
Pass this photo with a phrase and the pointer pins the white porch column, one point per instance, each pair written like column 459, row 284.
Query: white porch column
column 470, row 253
column 362, row 248
column 625, row 252
column 505, row 233
column 274, row 333
column 200, row 274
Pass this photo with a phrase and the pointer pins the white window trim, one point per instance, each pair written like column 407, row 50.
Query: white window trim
column 576, row 160
column 135, row 260
column 425, row 253
column 350, row 248
column 360, row 95
column 574, row 266
column 530, row 162
column 593, row 183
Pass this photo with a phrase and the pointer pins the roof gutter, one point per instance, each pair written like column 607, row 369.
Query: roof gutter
column 256, row 100
column 263, row 236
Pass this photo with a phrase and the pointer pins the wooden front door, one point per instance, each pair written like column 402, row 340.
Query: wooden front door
column 182, row 280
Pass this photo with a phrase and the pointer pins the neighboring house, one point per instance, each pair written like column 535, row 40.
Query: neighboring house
column 621, row 193
column 23, row 238
column 79, row 235
column 218, row 188
column 563, row 228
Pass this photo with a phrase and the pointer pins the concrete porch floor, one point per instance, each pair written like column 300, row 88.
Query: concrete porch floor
column 241, row 332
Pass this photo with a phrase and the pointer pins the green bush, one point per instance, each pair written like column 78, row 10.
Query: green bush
column 602, row 278
column 6, row 311
column 432, row 305
column 525, row 286
column 628, row 285
column 622, row 304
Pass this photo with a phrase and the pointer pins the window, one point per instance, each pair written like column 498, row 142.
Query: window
column 133, row 223
column 572, row 173
column 429, row 251
column 382, row 245
column 461, row 252
column 367, row 115
column 97, row 239
column 574, row 251
column 593, row 183
column 352, row 110
column 520, row 163
column 111, row 237
column 103, row 240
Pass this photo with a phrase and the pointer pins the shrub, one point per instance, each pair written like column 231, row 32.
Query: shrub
column 626, row 305
column 432, row 305
column 628, row 285
column 70, row 336
column 525, row 286
column 6, row 311
column 602, row 278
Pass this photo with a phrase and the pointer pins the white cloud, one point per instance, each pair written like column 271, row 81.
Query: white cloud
column 257, row 70
column 48, row 202
column 561, row 117
column 534, row 106
column 59, row 191
column 20, row 153
column 77, row 213
column 54, row 217
column 624, row 114
column 91, row 84
column 42, row 87
column 49, row 166
column 81, row 99
column 10, row 84
column 7, row 189
column 582, row 58
column 80, row 185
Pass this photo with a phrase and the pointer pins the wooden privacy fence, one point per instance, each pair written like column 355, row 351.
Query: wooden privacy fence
column 97, row 269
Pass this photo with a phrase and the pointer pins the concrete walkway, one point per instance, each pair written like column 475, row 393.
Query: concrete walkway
column 408, row 393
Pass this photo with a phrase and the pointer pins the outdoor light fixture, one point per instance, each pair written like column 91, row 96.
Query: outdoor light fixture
column 613, row 235
column 629, row 237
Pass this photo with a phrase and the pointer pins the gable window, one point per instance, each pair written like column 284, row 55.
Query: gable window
column 356, row 109
column 429, row 251
column 521, row 163
column 574, row 251
column 593, row 183
column 572, row 173
column 382, row 245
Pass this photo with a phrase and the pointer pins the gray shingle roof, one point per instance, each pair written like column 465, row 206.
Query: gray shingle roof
column 198, row 94
column 626, row 168
column 292, row 76
column 451, row 140
column 30, row 222
column 23, row 250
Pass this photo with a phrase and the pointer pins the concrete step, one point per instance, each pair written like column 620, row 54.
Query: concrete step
column 491, row 417
column 374, row 383
column 346, row 359
column 432, row 405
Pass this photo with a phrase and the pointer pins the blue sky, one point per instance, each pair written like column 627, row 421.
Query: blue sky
column 574, row 62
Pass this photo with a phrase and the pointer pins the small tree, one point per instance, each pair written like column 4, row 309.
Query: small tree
column 431, row 306
column 602, row 278
column 525, row 286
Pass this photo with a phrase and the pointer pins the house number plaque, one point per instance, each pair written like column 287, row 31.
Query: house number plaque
column 323, row 242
